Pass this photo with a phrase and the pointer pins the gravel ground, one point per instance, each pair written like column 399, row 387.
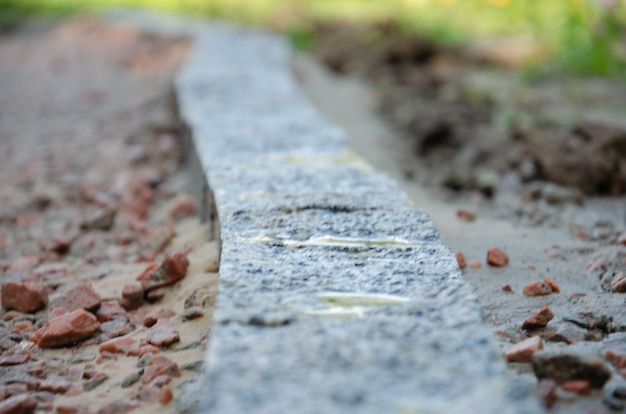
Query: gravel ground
column 547, row 232
column 107, row 279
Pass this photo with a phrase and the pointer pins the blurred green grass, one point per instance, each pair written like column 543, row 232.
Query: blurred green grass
column 580, row 36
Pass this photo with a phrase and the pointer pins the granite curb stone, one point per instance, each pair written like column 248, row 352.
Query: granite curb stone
column 335, row 295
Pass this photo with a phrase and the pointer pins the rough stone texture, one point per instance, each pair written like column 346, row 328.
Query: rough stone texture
column 82, row 296
column 121, row 344
column 568, row 366
column 26, row 297
column 335, row 295
column 132, row 296
column 66, row 329
column 19, row 404
column 162, row 334
column 172, row 268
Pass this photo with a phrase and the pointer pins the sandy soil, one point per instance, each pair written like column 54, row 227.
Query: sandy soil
column 559, row 247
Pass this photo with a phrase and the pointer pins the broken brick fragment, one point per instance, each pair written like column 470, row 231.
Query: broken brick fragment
column 507, row 288
column 497, row 257
column 524, row 350
column 465, row 215
column 10, row 390
column 157, row 314
column 144, row 350
column 616, row 358
column 162, row 334
column 172, row 268
column 82, row 296
column 94, row 381
column 182, row 207
column 15, row 359
column 155, row 295
column 576, row 386
column 19, row 404
column 25, row 297
column 192, row 313
column 122, row 345
column 618, row 283
column 553, row 285
column 460, row 259
column 110, row 310
column 537, row 289
column 166, row 395
column 57, row 386
column 157, row 365
column 132, row 296
column 66, row 329
column 539, row 319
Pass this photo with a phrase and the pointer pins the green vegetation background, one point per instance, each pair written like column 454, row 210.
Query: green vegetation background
column 580, row 36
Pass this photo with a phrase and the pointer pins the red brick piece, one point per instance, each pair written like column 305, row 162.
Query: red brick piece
column 122, row 345
column 577, row 386
column 524, row 350
column 465, row 215
column 66, row 329
column 15, row 359
column 25, row 297
column 19, row 404
column 539, row 320
column 162, row 334
column 111, row 310
column 82, row 296
column 183, row 207
column 496, row 257
column 166, row 395
column 132, row 296
column 555, row 287
column 460, row 259
column 616, row 358
column 172, row 269
column 192, row 313
column 156, row 314
column 507, row 288
column 537, row 289
column 159, row 365
column 58, row 386
column 618, row 283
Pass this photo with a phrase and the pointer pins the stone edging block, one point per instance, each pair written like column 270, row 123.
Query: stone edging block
column 334, row 295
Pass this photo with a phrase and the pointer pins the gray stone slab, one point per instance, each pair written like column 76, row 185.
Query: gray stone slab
column 334, row 295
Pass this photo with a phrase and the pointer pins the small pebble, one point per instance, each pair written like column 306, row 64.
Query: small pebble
column 497, row 257
column 539, row 319
column 460, row 259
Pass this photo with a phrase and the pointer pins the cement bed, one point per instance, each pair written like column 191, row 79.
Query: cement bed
column 335, row 295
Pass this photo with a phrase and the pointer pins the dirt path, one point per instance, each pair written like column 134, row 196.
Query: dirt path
column 92, row 197
column 560, row 251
